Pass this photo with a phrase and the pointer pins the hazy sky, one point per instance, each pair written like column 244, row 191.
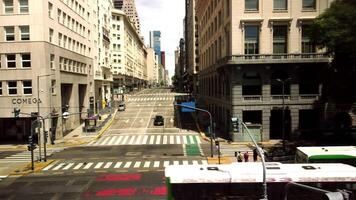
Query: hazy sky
column 166, row 16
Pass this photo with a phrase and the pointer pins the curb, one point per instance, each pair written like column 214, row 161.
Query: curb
column 26, row 169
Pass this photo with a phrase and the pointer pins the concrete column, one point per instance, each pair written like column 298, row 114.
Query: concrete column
column 294, row 122
column 294, row 92
column 266, row 114
column 266, row 92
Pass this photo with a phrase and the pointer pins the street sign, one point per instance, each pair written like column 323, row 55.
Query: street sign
column 65, row 115
column 190, row 104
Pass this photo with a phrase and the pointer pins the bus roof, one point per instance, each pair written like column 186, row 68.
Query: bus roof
column 325, row 152
column 252, row 172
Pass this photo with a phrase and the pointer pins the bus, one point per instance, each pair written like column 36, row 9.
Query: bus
column 243, row 181
column 326, row 154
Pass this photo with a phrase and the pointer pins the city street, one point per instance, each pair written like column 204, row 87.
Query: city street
column 126, row 162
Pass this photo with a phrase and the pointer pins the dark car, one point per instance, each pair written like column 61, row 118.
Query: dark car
column 159, row 120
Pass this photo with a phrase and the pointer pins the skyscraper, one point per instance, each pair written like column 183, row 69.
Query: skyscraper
column 128, row 6
column 155, row 43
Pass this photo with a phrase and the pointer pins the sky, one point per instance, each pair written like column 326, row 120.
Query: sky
column 166, row 16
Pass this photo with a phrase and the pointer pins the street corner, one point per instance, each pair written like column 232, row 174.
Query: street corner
column 25, row 169
column 221, row 160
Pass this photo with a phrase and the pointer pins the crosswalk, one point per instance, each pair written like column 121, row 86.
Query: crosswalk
column 113, row 165
column 230, row 149
column 156, row 98
column 145, row 139
column 25, row 156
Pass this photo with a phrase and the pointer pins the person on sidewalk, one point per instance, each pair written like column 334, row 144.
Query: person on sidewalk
column 246, row 156
column 239, row 157
column 254, row 154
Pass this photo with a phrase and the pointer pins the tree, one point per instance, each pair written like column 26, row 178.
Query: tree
column 335, row 29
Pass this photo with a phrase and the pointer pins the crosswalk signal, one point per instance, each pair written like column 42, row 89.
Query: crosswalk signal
column 235, row 124
column 17, row 112
column 31, row 145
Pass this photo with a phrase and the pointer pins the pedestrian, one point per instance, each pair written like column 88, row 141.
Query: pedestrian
column 255, row 154
column 246, row 156
column 239, row 157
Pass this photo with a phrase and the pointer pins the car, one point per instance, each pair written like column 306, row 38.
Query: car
column 121, row 106
column 158, row 121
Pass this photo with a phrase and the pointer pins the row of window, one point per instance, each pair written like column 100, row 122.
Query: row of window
column 69, row 65
column 12, row 87
column 253, row 5
column 76, row 7
column 9, row 33
column 12, row 60
column 69, row 43
column 15, row 7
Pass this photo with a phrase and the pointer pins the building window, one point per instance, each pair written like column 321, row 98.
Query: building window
column 251, row 4
column 25, row 32
column 280, row 39
column 251, row 39
column 52, row 61
column 11, row 60
column 50, row 35
column 53, row 86
column 309, row 4
column 23, row 6
column 50, row 10
column 26, row 60
column 280, row 4
column 27, row 87
column 0, row 88
column 59, row 39
column 307, row 44
column 12, row 87
column 9, row 6
column 9, row 33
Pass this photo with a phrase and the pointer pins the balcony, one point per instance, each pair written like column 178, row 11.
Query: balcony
column 280, row 97
column 252, row 98
column 309, row 97
column 275, row 58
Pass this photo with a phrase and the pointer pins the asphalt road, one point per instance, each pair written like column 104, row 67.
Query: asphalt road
column 127, row 162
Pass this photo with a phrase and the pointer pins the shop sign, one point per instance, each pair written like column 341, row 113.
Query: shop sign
column 18, row 101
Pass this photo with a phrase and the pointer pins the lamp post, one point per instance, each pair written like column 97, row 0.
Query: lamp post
column 38, row 110
column 210, row 127
column 261, row 154
column 283, row 81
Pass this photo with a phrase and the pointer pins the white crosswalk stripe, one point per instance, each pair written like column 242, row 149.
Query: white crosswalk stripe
column 144, row 139
column 25, row 156
column 154, row 164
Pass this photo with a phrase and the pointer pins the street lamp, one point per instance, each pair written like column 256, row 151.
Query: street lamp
column 210, row 127
column 39, row 115
column 283, row 81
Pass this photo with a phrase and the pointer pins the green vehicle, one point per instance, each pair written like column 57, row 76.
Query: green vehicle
column 326, row 154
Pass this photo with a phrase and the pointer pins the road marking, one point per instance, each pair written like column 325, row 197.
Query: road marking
column 88, row 165
column 176, row 162
column 107, row 165
column 204, row 162
column 198, row 140
column 158, row 140
column 165, row 139
column 137, row 164
column 68, row 166
column 97, row 166
column 117, row 165
column 48, row 167
column 185, row 139
column 156, row 164
column 128, row 164
column 191, row 138
column 166, row 163
column 178, row 139
column 58, row 166
column 147, row 164
column 125, row 139
column 132, row 140
column 195, row 162
column 171, row 139
column 185, row 162
column 112, row 140
column 152, row 139
column 145, row 138
column 118, row 140
column 139, row 139
column 78, row 166
column 105, row 140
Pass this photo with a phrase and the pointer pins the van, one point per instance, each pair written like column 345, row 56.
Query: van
column 122, row 106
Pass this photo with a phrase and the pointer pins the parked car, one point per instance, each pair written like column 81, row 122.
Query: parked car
column 121, row 106
column 158, row 121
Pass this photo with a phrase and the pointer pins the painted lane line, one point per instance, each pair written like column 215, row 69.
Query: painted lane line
column 176, row 162
column 68, row 166
column 112, row 140
column 128, row 164
column 185, row 139
column 156, row 164
column 152, row 139
column 145, row 138
column 195, row 162
column 158, row 140
column 147, row 164
column 185, row 162
column 117, row 165
column 198, row 139
column 104, row 141
column 88, row 165
column 191, row 139
column 48, row 167
column 97, row 166
column 139, row 139
column 132, row 140
column 79, row 165
column 125, row 140
column 204, row 162
column 107, row 165
column 178, row 139
column 166, row 163
column 58, row 166
column 117, row 142
column 171, row 139
column 165, row 139
column 137, row 164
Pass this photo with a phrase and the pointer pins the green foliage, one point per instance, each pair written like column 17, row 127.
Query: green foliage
column 336, row 29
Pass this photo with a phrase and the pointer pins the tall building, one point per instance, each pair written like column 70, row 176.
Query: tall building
column 155, row 43
column 129, row 54
column 192, row 42
column 45, row 65
column 258, row 65
column 129, row 7
column 152, row 67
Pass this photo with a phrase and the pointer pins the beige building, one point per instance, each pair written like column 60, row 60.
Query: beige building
column 128, row 54
column 129, row 8
column 46, row 63
column 152, row 67
column 259, row 66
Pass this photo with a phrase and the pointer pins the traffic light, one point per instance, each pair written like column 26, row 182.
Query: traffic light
column 17, row 112
column 235, row 124
column 31, row 145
